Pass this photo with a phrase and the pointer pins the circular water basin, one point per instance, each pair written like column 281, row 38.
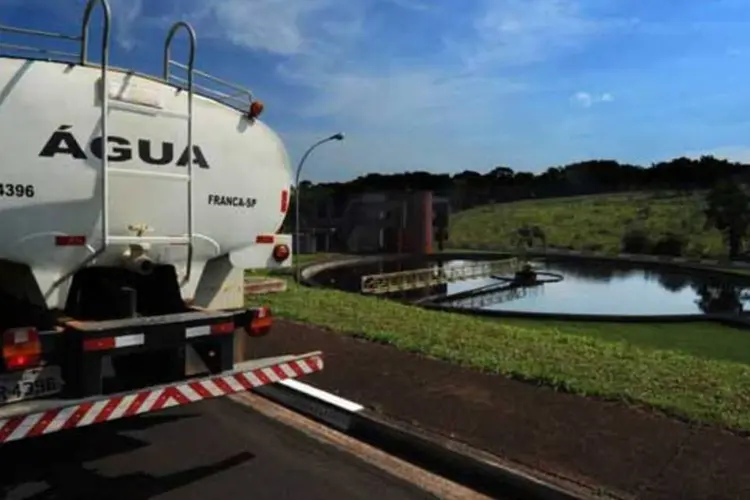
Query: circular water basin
column 586, row 287
column 607, row 288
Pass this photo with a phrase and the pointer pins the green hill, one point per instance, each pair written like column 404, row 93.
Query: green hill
column 597, row 223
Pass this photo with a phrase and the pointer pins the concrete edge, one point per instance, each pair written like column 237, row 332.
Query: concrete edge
column 692, row 262
column 455, row 461
column 713, row 266
column 309, row 271
column 583, row 318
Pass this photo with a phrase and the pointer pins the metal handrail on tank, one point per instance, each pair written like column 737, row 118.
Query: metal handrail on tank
column 79, row 57
column 240, row 100
column 190, row 89
column 44, row 34
column 235, row 96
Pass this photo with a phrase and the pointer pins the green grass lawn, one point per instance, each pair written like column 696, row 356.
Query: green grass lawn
column 590, row 222
column 699, row 371
column 708, row 340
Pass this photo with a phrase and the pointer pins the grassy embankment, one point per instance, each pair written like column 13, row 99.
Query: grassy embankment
column 699, row 371
column 596, row 223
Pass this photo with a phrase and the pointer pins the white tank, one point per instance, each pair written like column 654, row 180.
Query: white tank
column 50, row 187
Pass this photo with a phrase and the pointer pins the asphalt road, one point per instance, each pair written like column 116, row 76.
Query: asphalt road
column 214, row 449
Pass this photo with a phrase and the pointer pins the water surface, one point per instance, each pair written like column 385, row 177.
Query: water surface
column 588, row 287
column 615, row 288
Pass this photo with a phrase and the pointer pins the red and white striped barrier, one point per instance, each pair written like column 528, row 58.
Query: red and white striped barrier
column 67, row 415
column 255, row 286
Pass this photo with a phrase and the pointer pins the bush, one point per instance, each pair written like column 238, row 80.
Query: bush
column 643, row 213
column 671, row 244
column 593, row 247
column 636, row 241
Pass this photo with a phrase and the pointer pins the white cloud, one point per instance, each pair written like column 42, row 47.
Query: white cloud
column 276, row 26
column 279, row 27
column 421, row 5
column 587, row 100
column 505, row 32
column 125, row 14
column 319, row 42
column 397, row 114
column 286, row 28
column 583, row 98
column 517, row 32
column 322, row 47
column 422, row 97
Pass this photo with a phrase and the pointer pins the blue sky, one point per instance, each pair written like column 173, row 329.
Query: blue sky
column 451, row 85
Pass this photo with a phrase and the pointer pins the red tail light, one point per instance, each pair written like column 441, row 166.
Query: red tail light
column 284, row 201
column 281, row 253
column 70, row 241
column 260, row 322
column 22, row 348
column 256, row 109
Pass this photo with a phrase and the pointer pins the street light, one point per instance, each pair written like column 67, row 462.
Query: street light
column 334, row 137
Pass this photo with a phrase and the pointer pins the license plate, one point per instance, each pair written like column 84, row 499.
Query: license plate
column 30, row 384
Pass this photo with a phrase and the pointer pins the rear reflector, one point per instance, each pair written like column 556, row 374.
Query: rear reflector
column 265, row 238
column 21, row 348
column 70, row 241
column 102, row 344
column 107, row 343
column 284, row 201
column 222, row 328
column 260, row 322
column 215, row 329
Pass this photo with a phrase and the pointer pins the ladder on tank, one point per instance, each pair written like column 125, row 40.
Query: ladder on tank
column 186, row 239
column 81, row 58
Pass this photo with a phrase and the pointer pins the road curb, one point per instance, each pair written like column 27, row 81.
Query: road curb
column 459, row 463
column 259, row 286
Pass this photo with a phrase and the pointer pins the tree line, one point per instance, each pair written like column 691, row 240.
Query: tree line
column 727, row 198
column 502, row 184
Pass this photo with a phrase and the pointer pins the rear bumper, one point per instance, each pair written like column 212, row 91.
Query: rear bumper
column 40, row 417
column 143, row 334
column 80, row 348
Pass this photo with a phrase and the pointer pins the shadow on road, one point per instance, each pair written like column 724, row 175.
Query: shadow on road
column 57, row 466
column 74, row 481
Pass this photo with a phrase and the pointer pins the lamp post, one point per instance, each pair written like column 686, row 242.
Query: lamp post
column 334, row 137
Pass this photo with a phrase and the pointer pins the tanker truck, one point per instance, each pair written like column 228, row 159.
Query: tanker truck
column 130, row 206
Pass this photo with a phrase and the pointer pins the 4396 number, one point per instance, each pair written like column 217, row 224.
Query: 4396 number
column 8, row 190
column 25, row 389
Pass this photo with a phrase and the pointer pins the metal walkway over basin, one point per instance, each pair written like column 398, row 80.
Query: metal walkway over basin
column 488, row 299
column 413, row 279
